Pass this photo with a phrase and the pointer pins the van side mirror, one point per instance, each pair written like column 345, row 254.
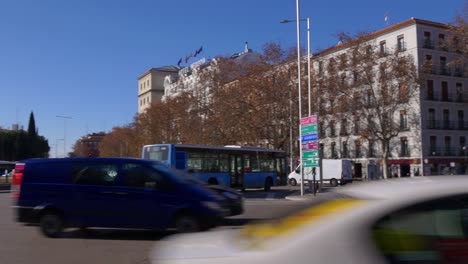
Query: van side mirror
column 298, row 170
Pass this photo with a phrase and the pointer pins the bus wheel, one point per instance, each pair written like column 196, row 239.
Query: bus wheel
column 292, row 182
column 212, row 181
column 268, row 183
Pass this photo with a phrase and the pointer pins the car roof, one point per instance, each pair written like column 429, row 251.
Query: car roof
column 403, row 188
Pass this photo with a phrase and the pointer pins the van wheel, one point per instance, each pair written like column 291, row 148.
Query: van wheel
column 51, row 224
column 292, row 182
column 268, row 184
column 187, row 224
column 334, row 182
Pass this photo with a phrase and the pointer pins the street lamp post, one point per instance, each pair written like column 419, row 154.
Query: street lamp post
column 64, row 133
column 299, row 76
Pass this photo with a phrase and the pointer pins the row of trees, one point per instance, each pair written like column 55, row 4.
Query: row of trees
column 19, row 144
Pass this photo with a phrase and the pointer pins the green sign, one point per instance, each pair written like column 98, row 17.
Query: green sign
column 308, row 129
column 311, row 163
column 310, row 154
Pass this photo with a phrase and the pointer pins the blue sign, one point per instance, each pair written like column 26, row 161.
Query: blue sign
column 309, row 137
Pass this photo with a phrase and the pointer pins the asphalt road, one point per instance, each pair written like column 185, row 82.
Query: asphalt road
column 21, row 244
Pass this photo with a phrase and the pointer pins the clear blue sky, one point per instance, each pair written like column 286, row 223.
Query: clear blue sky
column 81, row 58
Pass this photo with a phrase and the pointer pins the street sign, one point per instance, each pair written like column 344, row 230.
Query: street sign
column 309, row 137
column 313, row 145
column 310, row 154
column 309, row 120
column 311, row 163
column 308, row 129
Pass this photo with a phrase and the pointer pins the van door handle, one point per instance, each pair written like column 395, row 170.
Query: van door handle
column 106, row 192
column 121, row 193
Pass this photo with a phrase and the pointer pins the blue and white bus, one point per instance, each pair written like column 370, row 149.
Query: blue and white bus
column 233, row 166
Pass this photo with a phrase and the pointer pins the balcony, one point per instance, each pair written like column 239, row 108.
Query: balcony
column 428, row 44
column 444, row 152
column 445, row 71
column 404, row 152
column 446, row 125
column 458, row 73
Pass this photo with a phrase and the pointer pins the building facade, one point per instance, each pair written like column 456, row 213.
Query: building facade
column 151, row 85
column 436, row 142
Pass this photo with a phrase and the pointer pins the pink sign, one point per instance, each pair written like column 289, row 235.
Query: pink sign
column 310, row 145
column 309, row 120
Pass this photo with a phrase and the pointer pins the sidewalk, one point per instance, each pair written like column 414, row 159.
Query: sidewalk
column 325, row 194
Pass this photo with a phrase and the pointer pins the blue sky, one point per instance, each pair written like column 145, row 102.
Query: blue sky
column 82, row 58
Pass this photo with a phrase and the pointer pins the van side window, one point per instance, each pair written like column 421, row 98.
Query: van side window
column 429, row 232
column 139, row 176
column 95, row 174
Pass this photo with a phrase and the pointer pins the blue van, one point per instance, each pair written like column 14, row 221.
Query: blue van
column 111, row 192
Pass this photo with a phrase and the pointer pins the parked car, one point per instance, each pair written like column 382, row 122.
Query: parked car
column 411, row 220
column 111, row 192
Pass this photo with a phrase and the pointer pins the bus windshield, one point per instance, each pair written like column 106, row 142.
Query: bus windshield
column 158, row 153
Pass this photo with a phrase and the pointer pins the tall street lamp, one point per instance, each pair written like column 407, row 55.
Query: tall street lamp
column 308, row 57
column 299, row 77
column 64, row 133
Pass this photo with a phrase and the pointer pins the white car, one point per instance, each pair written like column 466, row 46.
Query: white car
column 408, row 220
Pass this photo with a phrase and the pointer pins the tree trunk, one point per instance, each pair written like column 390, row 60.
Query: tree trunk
column 385, row 159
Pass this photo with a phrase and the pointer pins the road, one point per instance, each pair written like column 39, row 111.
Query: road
column 21, row 244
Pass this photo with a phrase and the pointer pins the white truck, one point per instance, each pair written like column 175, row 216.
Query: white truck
column 335, row 171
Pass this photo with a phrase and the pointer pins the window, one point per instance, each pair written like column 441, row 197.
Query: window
column 446, row 119
column 333, row 150
column 332, row 128
column 139, row 176
column 383, row 48
column 433, row 231
column 433, row 145
column 401, row 45
column 432, row 122
column 95, row 174
column 403, row 120
column 344, row 153
column 444, row 70
column 357, row 129
column 404, row 147
column 428, row 64
column 448, row 144
column 320, row 67
column 343, row 128
column 427, row 40
column 403, row 92
column 441, row 43
column 459, row 91
column 371, row 150
column 461, row 119
column 445, row 96
column 357, row 146
column 430, row 89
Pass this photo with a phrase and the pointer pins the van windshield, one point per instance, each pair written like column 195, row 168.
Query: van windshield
column 177, row 175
